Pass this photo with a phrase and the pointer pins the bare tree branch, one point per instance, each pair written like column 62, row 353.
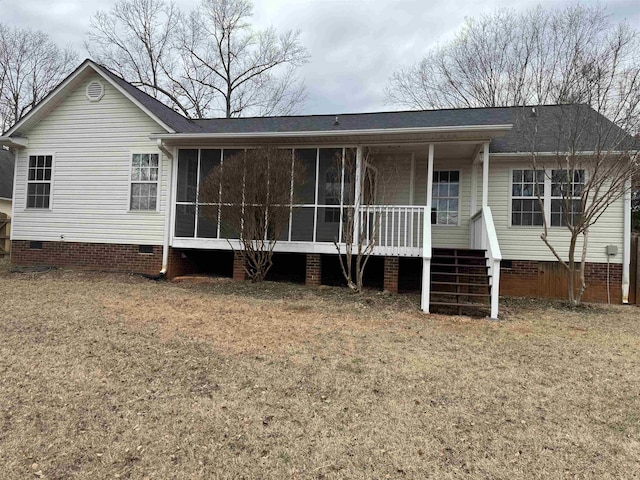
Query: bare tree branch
column 31, row 65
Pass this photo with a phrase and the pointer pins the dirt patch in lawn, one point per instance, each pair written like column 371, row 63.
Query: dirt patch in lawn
column 236, row 324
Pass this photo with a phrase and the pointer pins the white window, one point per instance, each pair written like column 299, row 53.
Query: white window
column 565, row 196
column 555, row 188
column 445, row 199
column 525, row 206
column 39, row 181
column 144, row 181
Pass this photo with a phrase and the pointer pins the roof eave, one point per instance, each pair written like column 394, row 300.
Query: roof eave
column 13, row 142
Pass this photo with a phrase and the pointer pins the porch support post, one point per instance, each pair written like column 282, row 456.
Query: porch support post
column 485, row 175
column 357, row 197
column 426, row 238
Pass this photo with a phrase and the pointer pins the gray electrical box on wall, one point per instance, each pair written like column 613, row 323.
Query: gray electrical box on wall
column 612, row 250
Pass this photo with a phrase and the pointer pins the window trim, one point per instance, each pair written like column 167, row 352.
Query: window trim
column 51, row 181
column 158, row 182
column 459, row 199
column 546, row 198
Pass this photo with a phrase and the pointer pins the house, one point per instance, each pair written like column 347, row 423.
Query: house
column 107, row 177
column 6, row 181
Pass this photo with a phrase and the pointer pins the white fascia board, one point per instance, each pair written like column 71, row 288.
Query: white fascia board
column 554, row 154
column 334, row 133
column 14, row 142
column 70, row 79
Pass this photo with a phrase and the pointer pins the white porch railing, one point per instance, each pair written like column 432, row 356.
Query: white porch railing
column 396, row 230
column 483, row 237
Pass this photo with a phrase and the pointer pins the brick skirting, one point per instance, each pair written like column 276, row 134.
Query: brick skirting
column 527, row 278
column 91, row 256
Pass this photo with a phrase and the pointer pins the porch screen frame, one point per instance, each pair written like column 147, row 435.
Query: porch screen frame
column 316, row 206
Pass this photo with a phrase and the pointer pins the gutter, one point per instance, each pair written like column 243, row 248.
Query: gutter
column 334, row 133
column 167, row 217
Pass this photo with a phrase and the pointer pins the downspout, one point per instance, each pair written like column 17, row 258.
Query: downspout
column 167, row 217
column 626, row 247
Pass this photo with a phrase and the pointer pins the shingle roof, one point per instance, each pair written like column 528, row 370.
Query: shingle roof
column 552, row 124
column 358, row 121
column 7, row 161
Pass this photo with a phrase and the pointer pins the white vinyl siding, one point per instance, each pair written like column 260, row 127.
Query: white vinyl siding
column 92, row 144
column 524, row 243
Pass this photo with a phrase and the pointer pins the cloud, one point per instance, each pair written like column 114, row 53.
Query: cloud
column 355, row 45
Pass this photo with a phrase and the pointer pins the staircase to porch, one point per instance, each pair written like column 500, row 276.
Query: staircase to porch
column 460, row 281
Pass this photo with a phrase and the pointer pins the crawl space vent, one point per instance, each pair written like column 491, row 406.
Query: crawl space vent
column 95, row 91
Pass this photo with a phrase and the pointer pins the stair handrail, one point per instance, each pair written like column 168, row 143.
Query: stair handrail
column 490, row 243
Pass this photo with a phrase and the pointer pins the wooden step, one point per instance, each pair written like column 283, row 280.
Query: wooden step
column 462, row 284
column 458, row 251
column 459, row 257
column 458, row 304
column 461, row 274
column 466, row 265
column 462, row 294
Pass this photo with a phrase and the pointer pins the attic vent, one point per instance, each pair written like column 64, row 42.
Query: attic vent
column 95, row 91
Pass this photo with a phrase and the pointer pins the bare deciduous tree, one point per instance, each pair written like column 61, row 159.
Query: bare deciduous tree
column 136, row 40
column 210, row 60
column 252, row 71
column 31, row 65
column 361, row 220
column 589, row 169
column 252, row 195
column 509, row 58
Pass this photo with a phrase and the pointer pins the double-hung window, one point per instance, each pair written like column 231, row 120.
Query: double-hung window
column 445, row 198
column 525, row 205
column 565, row 196
column 39, row 181
column 557, row 191
column 144, row 181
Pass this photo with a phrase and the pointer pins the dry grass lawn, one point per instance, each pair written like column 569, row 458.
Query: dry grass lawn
column 112, row 376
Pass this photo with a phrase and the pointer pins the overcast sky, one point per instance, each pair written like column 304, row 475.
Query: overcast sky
column 354, row 44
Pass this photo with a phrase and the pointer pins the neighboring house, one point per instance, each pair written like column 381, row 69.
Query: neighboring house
column 108, row 177
column 7, row 160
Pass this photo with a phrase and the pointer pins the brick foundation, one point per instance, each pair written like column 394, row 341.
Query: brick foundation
column 239, row 271
column 528, row 278
column 391, row 271
column 313, row 275
column 90, row 256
